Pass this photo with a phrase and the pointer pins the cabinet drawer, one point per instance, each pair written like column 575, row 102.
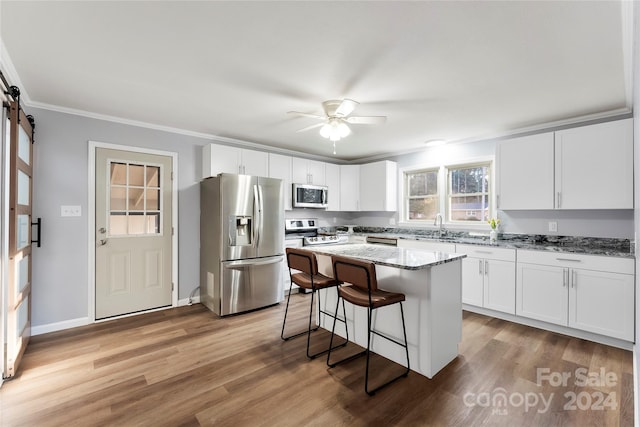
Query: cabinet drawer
column 587, row 262
column 488, row 252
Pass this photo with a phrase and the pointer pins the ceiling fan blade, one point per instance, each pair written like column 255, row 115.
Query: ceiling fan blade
column 346, row 107
column 317, row 125
column 365, row 120
column 298, row 113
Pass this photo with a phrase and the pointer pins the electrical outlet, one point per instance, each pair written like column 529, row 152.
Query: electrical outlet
column 70, row 211
column 392, row 221
column 553, row 226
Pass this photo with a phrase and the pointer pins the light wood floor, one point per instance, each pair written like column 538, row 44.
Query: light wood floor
column 186, row 367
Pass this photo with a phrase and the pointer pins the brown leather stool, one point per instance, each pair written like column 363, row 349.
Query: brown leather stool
column 363, row 291
column 309, row 278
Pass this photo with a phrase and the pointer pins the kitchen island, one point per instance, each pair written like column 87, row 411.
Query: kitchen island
column 431, row 282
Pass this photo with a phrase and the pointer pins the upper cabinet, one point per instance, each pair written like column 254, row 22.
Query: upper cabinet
column 218, row 159
column 588, row 167
column 525, row 172
column 349, row 188
column 594, row 166
column 280, row 167
column 379, row 186
column 305, row 171
column 332, row 181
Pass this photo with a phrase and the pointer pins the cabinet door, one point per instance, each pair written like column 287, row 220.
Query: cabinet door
column 332, row 181
column 299, row 171
column 218, row 159
column 500, row 286
column 378, row 186
column 349, row 188
column 255, row 163
column 316, row 172
column 472, row 281
column 525, row 170
column 603, row 303
column 541, row 293
column 594, row 166
column 280, row 167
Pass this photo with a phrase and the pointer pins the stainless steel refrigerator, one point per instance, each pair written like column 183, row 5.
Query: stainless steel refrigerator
column 241, row 242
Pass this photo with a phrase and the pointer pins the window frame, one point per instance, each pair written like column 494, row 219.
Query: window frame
column 443, row 193
column 405, row 192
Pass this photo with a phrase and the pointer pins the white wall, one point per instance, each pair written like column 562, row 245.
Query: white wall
column 60, row 266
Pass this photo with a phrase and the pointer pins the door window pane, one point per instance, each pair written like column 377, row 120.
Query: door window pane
column 23, row 317
column 23, row 222
column 23, row 188
column 118, row 198
column 134, row 207
column 22, row 276
column 24, row 146
column 118, row 174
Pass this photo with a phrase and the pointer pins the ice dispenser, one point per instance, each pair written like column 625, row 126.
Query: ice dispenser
column 240, row 230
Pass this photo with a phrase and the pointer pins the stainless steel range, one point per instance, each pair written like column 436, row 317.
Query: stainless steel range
column 307, row 230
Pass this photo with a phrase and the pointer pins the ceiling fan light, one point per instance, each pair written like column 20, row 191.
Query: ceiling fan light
column 343, row 130
column 325, row 130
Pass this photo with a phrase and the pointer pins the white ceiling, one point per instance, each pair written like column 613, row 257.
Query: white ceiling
column 439, row 70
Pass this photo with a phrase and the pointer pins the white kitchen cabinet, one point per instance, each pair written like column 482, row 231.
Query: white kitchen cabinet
column 305, row 171
column 525, row 168
column 332, row 181
column 379, row 186
column 427, row 245
column 586, row 167
column 594, row 166
column 218, row 159
column 590, row 293
column 489, row 277
column 349, row 188
column 280, row 167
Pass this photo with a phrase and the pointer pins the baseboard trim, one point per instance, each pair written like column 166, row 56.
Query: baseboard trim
column 59, row 326
column 601, row 339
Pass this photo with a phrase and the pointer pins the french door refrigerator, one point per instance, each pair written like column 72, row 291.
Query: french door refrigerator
column 241, row 242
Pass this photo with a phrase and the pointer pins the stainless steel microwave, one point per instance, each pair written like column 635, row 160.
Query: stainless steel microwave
column 310, row 196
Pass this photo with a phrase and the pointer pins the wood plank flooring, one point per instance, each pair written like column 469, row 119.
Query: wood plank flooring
column 187, row 367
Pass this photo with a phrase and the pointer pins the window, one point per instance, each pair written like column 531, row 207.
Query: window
column 422, row 200
column 460, row 193
column 468, row 193
column 134, row 199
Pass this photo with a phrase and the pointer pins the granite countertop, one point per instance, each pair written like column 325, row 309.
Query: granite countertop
column 562, row 244
column 392, row 256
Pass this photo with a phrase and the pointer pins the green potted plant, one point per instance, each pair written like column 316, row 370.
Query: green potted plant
column 493, row 235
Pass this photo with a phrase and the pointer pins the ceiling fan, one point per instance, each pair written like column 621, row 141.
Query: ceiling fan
column 336, row 119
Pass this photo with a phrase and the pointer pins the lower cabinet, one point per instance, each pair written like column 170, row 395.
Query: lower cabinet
column 489, row 277
column 427, row 245
column 591, row 293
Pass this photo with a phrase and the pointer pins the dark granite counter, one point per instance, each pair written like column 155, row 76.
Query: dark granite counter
column 561, row 244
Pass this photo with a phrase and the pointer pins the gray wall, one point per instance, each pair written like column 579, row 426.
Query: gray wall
column 60, row 266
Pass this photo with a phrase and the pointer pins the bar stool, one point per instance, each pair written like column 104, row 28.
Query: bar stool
column 363, row 291
column 309, row 278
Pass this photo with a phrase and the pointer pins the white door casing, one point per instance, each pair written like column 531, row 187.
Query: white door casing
column 132, row 220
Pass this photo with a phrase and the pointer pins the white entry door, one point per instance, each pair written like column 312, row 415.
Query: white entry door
column 133, row 232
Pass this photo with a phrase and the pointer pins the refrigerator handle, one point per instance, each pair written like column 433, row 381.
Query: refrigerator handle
column 257, row 214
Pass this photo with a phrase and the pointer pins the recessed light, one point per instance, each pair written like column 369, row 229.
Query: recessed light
column 435, row 142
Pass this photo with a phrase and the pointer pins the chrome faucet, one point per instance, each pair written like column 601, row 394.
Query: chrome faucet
column 441, row 227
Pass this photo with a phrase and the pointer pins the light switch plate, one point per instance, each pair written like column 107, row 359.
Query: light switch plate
column 70, row 211
column 553, row 226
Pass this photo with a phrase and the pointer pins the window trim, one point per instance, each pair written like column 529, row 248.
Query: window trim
column 443, row 193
